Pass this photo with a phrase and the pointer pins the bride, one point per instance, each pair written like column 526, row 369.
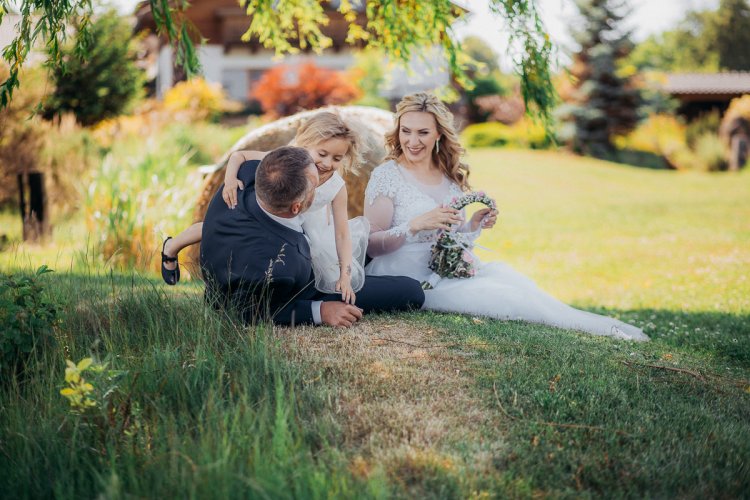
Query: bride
column 406, row 202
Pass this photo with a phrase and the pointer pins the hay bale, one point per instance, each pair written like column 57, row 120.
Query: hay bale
column 370, row 123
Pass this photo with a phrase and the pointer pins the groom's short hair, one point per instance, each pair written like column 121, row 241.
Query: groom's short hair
column 281, row 177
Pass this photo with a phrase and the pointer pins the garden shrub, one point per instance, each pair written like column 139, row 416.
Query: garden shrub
column 28, row 319
column 710, row 153
column 661, row 135
column 522, row 134
column 285, row 90
column 707, row 123
column 107, row 82
column 197, row 100
column 667, row 137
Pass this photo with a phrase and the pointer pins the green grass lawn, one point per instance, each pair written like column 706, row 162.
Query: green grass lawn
column 424, row 405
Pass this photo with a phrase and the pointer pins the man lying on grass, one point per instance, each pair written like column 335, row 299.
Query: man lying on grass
column 256, row 259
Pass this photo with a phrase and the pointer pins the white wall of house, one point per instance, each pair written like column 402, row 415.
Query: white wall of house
column 238, row 69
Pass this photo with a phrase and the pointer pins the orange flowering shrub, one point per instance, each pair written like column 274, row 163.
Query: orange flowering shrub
column 285, row 90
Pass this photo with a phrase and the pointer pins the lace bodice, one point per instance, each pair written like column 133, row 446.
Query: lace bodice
column 393, row 198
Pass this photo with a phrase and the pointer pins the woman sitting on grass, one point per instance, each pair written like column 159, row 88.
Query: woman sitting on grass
column 407, row 202
column 337, row 245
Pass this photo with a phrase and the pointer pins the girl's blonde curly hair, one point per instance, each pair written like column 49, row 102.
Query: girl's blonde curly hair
column 327, row 125
column 448, row 159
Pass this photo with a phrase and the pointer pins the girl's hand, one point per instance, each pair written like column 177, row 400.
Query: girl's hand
column 484, row 218
column 344, row 285
column 229, row 193
column 437, row 218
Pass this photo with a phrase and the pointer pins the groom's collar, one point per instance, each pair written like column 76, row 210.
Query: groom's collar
column 270, row 222
column 294, row 223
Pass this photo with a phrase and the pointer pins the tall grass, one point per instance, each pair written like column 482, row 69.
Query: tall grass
column 145, row 189
column 197, row 406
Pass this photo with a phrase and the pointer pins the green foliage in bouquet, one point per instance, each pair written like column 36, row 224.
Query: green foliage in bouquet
column 451, row 255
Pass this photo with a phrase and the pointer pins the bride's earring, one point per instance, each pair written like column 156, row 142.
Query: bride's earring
column 437, row 145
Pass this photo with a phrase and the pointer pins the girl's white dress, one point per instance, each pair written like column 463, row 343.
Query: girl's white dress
column 394, row 197
column 317, row 223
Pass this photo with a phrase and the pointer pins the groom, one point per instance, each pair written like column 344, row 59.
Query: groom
column 256, row 258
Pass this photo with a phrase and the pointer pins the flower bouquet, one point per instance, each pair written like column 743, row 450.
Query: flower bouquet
column 451, row 255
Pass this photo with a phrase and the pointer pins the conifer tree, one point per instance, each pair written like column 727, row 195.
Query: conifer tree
column 604, row 103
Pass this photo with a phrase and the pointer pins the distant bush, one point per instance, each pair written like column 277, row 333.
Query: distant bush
column 707, row 123
column 285, row 90
column 62, row 150
column 197, row 100
column 666, row 137
column 369, row 76
column 104, row 84
column 661, row 135
column 523, row 134
column 710, row 152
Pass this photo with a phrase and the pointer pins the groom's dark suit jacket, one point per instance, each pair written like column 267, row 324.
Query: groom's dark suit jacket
column 263, row 269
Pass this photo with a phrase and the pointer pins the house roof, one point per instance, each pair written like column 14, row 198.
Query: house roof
column 708, row 83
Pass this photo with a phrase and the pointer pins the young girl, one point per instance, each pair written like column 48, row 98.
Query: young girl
column 337, row 245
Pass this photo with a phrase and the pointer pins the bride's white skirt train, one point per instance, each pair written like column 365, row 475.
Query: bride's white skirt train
column 498, row 291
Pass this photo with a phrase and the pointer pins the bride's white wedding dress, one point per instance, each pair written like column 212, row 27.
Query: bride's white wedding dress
column 394, row 197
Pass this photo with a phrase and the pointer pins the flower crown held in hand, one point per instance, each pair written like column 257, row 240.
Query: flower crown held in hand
column 451, row 255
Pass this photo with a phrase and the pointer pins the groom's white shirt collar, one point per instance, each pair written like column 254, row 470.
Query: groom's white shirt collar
column 294, row 223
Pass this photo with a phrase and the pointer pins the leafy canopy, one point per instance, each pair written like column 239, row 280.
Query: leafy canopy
column 400, row 28
column 703, row 41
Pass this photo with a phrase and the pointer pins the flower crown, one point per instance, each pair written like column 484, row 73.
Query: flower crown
column 451, row 255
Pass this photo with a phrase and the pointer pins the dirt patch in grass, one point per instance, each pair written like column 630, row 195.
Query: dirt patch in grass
column 403, row 398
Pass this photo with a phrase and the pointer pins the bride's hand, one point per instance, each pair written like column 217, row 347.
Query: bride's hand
column 229, row 193
column 484, row 218
column 437, row 218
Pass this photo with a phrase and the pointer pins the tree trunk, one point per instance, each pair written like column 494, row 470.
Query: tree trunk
column 33, row 207
column 739, row 147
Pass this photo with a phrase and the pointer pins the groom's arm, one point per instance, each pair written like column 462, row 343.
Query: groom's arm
column 299, row 312
column 287, row 309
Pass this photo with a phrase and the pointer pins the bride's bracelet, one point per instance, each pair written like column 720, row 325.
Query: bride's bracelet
column 346, row 270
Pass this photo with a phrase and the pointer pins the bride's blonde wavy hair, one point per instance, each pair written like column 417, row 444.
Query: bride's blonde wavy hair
column 327, row 125
column 448, row 159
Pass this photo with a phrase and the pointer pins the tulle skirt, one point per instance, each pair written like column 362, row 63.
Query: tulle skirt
column 325, row 260
column 497, row 291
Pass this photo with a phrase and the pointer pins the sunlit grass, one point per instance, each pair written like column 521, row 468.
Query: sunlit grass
column 606, row 235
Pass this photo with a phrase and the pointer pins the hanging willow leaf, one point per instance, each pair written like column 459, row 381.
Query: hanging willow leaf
column 400, row 28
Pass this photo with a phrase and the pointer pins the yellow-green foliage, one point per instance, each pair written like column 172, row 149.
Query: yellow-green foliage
column 526, row 133
column 710, row 153
column 663, row 135
column 197, row 99
column 739, row 108
column 78, row 391
column 666, row 136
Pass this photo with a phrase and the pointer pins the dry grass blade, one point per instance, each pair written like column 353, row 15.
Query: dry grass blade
column 669, row 368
